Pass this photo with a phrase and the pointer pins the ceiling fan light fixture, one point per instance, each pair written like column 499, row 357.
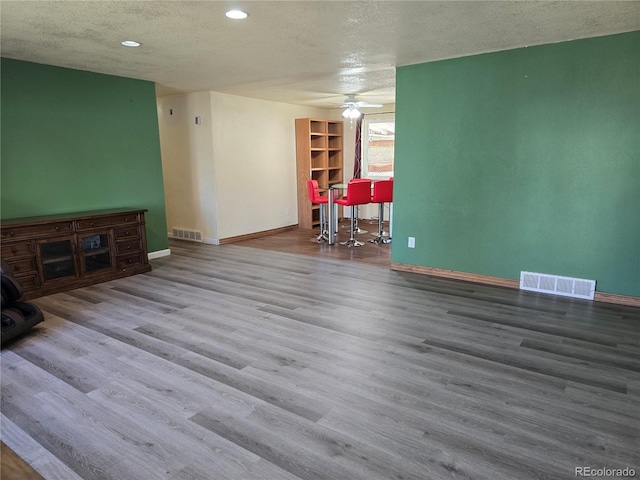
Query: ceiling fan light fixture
column 351, row 112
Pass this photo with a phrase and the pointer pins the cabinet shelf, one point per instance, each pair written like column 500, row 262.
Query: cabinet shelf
column 47, row 261
column 95, row 251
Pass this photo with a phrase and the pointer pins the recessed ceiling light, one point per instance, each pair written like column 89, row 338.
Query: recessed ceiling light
column 131, row 43
column 237, row 14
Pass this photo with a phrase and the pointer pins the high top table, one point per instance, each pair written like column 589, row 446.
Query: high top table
column 332, row 210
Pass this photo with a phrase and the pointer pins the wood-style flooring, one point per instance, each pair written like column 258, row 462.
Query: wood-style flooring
column 304, row 242
column 236, row 362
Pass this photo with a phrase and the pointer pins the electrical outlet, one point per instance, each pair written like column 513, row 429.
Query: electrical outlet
column 412, row 242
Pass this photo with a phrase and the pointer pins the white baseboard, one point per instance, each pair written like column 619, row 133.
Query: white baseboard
column 159, row 253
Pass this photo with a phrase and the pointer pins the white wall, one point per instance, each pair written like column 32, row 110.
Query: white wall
column 187, row 162
column 235, row 173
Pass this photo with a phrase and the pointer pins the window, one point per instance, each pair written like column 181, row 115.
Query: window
column 378, row 139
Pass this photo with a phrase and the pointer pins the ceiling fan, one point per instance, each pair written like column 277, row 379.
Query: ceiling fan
column 352, row 107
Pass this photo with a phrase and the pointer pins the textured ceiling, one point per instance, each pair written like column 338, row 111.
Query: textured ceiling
column 307, row 53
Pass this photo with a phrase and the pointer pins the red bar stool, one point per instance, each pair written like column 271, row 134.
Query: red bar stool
column 358, row 193
column 317, row 199
column 382, row 193
column 358, row 229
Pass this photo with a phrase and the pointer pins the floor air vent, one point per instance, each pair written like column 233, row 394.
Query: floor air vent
column 565, row 286
column 187, row 235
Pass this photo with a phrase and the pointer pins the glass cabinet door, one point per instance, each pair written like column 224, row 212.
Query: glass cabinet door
column 57, row 259
column 96, row 252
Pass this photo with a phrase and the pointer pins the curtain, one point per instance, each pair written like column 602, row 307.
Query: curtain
column 357, row 163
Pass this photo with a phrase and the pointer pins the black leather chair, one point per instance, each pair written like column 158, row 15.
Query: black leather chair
column 17, row 316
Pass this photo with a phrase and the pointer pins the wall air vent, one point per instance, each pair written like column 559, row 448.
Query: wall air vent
column 554, row 284
column 183, row 234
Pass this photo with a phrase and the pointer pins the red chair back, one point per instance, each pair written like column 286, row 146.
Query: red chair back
column 359, row 191
column 314, row 192
column 382, row 191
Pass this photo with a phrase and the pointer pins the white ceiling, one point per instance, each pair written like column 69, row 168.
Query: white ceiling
column 307, row 53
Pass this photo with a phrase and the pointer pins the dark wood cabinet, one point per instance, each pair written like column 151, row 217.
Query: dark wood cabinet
column 54, row 253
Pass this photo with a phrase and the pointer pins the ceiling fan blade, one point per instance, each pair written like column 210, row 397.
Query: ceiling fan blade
column 368, row 105
column 351, row 102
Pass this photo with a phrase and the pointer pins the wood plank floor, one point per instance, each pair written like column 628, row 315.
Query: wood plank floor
column 303, row 242
column 236, row 362
column 12, row 467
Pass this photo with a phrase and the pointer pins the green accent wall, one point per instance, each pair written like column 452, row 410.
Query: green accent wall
column 74, row 141
column 526, row 159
